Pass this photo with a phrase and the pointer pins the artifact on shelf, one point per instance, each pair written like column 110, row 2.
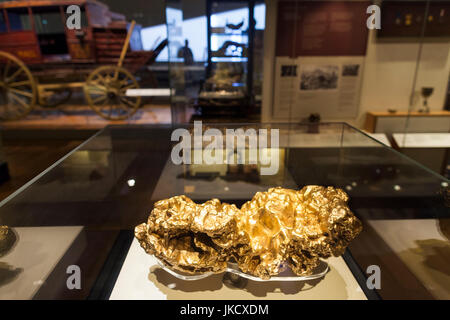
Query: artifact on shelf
column 222, row 85
column 231, row 49
column 277, row 229
column 236, row 26
column 426, row 92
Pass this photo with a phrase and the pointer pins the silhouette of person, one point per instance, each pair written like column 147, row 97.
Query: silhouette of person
column 186, row 53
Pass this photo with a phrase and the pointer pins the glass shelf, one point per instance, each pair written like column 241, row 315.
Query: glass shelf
column 241, row 34
column 229, row 59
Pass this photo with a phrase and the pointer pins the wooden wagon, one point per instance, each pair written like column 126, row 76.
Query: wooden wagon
column 42, row 58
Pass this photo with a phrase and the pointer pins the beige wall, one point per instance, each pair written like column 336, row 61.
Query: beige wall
column 388, row 76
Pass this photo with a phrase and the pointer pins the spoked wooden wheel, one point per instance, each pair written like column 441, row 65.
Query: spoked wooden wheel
column 17, row 88
column 105, row 91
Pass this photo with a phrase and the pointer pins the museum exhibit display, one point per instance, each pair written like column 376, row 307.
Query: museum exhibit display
column 314, row 64
column 230, row 58
column 334, row 198
column 276, row 230
column 42, row 60
column 231, row 84
column 224, row 150
column 406, row 20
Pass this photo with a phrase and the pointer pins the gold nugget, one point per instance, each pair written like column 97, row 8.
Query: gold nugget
column 7, row 239
column 277, row 229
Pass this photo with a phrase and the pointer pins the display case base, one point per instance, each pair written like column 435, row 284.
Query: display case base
column 142, row 278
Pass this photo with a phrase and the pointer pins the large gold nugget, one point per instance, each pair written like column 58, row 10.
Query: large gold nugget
column 267, row 220
column 295, row 228
column 324, row 225
column 189, row 237
column 276, row 229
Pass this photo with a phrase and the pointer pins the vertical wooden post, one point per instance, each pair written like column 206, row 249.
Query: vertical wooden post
column 125, row 45
column 124, row 50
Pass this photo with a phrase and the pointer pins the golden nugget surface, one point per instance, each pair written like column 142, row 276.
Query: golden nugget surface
column 278, row 228
column 7, row 238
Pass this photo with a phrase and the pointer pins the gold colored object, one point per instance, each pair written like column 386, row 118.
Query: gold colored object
column 4, row 231
column 7, row 239
column 277, row 229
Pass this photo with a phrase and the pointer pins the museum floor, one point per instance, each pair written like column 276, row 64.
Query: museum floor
column 83, row 117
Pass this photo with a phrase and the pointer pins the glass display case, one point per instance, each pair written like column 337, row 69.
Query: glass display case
column 230, row 43
column 79, row 216
column 231, row 83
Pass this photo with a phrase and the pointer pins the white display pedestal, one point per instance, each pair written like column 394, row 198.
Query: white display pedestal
column 142, row 278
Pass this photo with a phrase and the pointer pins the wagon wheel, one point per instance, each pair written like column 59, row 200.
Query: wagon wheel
column 105, row 91
column 17, row 88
